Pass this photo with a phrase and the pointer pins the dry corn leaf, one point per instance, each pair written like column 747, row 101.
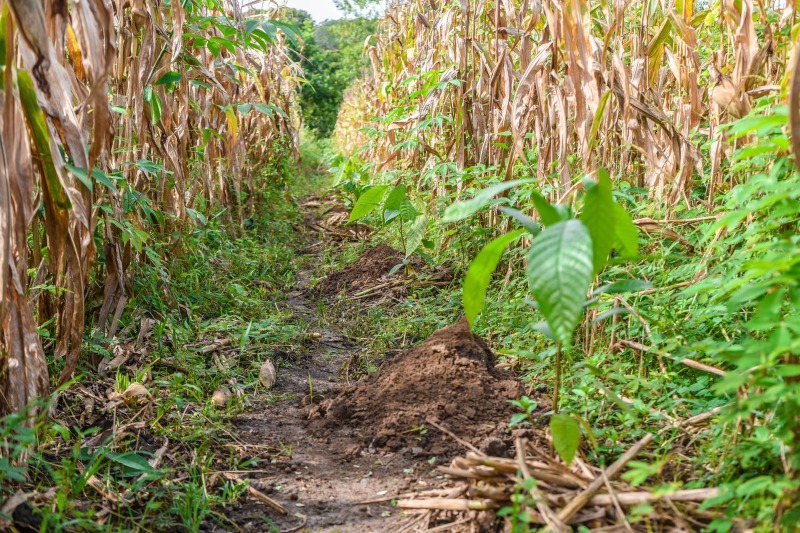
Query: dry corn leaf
column 267, row 375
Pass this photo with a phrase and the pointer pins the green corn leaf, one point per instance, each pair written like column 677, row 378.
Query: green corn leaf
column 367, row 202
column 560, row 274
column 480, row 273
column 41, row 138
column 566, row 436
column 461, row 210
column 660, row 38
column 599, row 217
column 598, row 118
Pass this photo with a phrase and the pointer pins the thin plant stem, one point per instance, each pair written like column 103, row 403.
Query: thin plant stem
column 557, row 385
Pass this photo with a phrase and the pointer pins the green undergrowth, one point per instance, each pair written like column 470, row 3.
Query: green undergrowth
column 720, row 288
column 620, row 393
column 216, row 286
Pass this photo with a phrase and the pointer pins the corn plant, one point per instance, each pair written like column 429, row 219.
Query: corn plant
column 119, row 122
column 557, row 90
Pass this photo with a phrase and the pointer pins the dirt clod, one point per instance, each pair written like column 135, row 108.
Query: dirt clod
column 449, row 379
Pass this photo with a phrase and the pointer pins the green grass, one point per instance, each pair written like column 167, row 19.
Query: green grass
column 622, row 394
column 214, row 286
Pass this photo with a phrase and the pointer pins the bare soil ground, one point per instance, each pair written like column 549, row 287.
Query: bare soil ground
column 382, row 273
column 449, row 380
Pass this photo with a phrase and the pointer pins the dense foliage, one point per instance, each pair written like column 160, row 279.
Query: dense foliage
column 331, row 55
column 515, row 109
column 178, row 108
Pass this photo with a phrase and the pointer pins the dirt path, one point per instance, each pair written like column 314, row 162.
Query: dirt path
column 336, row 453
column 321, row 481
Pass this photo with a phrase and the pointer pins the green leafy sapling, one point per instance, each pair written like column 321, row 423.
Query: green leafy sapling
column 565, row 256
column 396, row 207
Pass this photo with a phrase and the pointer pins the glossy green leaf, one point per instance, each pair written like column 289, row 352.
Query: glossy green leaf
column 566, row 436
column 367, row 202
column 480, row 273
column 391, row 208
column 626, row 234
column 416, row 234
column 560, row 273
column 408, row 212
column 599, row 217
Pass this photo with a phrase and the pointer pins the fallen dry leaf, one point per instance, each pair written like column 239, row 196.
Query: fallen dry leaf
column 135, row 391
column 220, row 397
column 267, row 375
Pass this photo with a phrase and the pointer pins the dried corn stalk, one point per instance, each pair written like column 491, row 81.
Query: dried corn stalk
column 558, row 88
column 200, row 97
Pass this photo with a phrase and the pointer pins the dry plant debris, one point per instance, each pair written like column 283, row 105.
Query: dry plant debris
column 560, row 497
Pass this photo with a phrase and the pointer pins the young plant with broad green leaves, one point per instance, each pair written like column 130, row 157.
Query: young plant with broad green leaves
column 565, row 255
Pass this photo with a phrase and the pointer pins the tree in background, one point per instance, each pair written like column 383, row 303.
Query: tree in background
column 331, row 59
column 360, row 7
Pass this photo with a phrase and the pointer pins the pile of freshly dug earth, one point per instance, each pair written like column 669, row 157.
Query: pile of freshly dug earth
column 371, row 269
column 449, row 379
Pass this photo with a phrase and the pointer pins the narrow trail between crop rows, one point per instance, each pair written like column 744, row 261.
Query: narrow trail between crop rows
column 320, row 483
column 336, row 453
column 421, row 444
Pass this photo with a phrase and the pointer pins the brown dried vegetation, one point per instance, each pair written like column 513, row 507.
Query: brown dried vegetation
column 554, row 89
column 167, row 106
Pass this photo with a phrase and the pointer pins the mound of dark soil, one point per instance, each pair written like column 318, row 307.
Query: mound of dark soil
column 449, row 379
column 372, row 268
